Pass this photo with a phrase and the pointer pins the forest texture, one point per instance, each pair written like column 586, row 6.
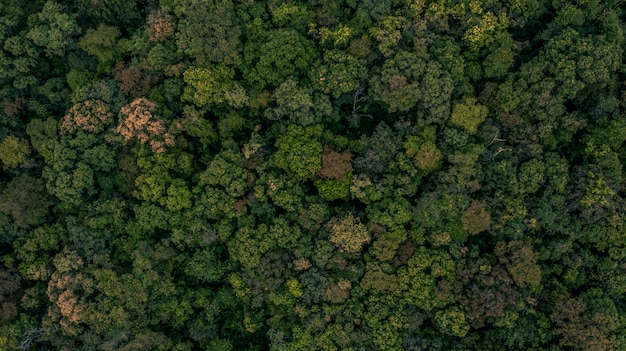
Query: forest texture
column 312, row 175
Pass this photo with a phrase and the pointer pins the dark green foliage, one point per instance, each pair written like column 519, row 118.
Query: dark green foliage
column 208, row 31
column 324, row 175
column 271, row 57
column 25, row 200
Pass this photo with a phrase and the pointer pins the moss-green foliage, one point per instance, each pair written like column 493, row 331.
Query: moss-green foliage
column 299, row 151
column 332, row 189
column 312, row 175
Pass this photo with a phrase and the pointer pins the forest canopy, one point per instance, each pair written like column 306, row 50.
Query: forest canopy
column 312, row 175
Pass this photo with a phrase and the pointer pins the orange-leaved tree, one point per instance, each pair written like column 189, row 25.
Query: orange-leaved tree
column 137, row 121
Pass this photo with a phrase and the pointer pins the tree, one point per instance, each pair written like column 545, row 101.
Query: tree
column 452, row 321
column 391, row 213
column 520, row 261
column 13, row 151
column 103, row 43
column 208, row 86
column 426, row 280
column 300, row 151
column 487, row 292
column 25, row 200
column 272, row 57
column 348, row 233
column 90, row 115
column 476, row 218
column 10, row 283
column 53, row 29
column 132, row 79
column 226, row 172
column 398, row 85
column 335, row 165
column 137, row 122
column 378, row 150
column 423, row 150
column 126, row 14
column 339, row 73
column 159, row 26
column 583, row 325
column 208, row 31
column 293, row 102
column 468, row 115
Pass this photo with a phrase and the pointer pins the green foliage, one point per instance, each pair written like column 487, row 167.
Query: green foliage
column 468, row 115
column 331, row 189
column 104, row 43
column 294, row 103
column 207, row 86
column 25, row 200
column 348, row 233
column 208, row 31
column 338, row 73
column 391, row 213
column 452, row 321
column 13, row 151
column 274, row 56
column 53, row 29
column 422, row 278
column 398, row 85
column 330, row 175
column 299, row 151
column 127, row 14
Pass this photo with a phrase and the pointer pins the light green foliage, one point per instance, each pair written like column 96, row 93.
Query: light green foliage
column 284, row 234
column 13, row 151
column 300, row 151
column 364, row 189
column 468, row 115
column 339, row 73
column 391, row 213
column 160, row 182
column 290, row 14
column 421, row 278
column 388, row 33
column 332, row 189
column 207, row 86
column 481, row 31
column 348, row 233
column 452, row 321
column 53, row 29
column 530, row 177
column 178, row 196
column 78, row 78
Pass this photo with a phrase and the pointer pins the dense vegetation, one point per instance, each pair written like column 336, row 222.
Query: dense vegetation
column 312, row 175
